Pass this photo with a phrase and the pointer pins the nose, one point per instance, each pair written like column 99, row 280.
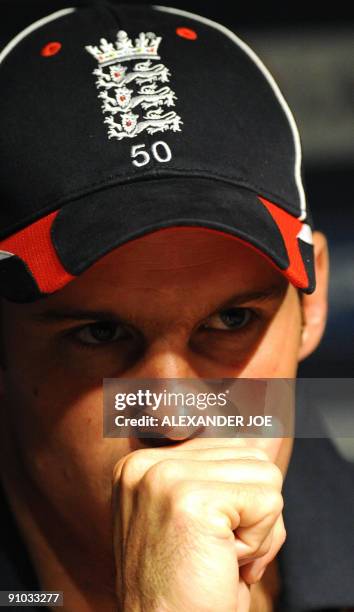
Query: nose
column 165, row 358
column 162, row 361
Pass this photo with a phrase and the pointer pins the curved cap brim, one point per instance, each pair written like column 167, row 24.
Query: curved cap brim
column 43, row 257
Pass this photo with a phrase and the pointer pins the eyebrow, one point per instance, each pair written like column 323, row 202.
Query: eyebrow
column 269, row 293
column 74, row 314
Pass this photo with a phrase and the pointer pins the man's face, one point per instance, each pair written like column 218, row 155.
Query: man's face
column 173, row 304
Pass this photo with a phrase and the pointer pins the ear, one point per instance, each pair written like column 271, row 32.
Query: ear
column 315, row 305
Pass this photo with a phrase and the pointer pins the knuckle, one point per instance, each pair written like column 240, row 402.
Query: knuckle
column 185, row 500
column 273, row 502
column 251, row 453
column 135, row 464
column 258, row 453
column 278, row 542
column 162, row 474
column 257, row 549
column 267, row 471
column 166, row 471
column 275, row 474
column 277, row 502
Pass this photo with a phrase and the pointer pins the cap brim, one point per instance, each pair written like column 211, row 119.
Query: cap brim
column 46, row 255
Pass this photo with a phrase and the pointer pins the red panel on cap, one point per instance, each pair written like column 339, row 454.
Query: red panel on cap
column 289, row 228
column 34, row 246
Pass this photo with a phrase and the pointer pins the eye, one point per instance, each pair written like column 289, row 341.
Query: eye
column 230, row 319
column 101, row 332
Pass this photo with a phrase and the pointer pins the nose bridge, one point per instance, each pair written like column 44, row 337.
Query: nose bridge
column 165, row 357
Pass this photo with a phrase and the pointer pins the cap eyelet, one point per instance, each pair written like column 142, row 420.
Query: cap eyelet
column 50, row 49
column 187, row 33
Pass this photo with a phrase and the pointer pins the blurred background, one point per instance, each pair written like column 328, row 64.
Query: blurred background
column 311, row 56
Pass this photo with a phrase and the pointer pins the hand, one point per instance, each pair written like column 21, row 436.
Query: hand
column 194, row 525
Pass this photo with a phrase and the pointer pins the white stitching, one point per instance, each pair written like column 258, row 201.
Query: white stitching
column 272, row 83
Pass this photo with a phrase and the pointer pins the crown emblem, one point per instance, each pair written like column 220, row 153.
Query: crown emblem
column 146, row 46
column 135, row 97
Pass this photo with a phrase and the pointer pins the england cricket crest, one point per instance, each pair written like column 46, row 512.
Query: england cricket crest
column 133, row 92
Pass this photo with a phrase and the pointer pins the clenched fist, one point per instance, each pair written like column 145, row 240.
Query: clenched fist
column 194, row 526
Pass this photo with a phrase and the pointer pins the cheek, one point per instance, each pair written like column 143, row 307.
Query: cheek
column 64, row 421
column 277, row 354
column 57, row 442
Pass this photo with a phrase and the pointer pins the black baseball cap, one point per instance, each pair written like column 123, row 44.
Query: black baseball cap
column 122, row 119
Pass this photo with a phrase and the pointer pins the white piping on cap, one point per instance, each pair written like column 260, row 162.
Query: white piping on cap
column 5, row 254
column 31, row 28
column 305, row 234
column 271, row 81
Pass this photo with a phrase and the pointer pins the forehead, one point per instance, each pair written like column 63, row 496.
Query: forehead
column 177, row 268
column 182, row 246
column 181, row 256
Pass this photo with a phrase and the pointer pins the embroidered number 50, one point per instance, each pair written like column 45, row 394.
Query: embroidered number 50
column 141, row 158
